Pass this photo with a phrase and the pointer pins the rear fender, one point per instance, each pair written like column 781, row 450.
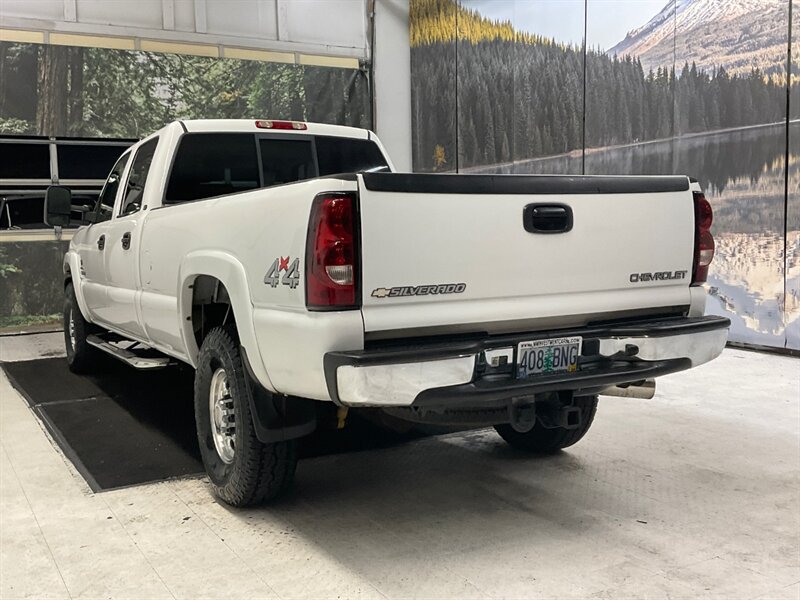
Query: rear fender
column 230, row 272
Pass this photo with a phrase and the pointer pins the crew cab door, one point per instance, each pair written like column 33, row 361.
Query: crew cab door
column 93, row 248
column 121, row 257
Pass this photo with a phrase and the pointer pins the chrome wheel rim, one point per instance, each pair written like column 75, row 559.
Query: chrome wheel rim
column 71, row 329
column 222, row 416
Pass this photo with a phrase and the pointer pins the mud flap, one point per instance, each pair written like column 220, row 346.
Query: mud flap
column 278, row 418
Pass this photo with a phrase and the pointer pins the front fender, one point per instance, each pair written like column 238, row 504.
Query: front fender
column 230, row 272
column 72, row 271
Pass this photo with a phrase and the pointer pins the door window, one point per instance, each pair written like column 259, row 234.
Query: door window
column 137, row 177
column 105, row 203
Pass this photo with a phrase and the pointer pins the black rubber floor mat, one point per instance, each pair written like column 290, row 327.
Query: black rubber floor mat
column 120, row 427
column 113, row 449
column 123, row 427
column 49, row 380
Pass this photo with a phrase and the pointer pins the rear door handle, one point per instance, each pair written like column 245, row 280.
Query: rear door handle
column 101, row 242
column 547, row 218
column 126, row 240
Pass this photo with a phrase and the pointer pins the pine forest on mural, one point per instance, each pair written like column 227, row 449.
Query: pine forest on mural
column 96, row 92
column 521, row 96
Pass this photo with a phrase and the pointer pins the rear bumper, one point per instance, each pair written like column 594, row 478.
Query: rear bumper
column 455, row 373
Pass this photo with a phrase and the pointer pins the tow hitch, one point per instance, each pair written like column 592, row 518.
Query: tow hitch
column 554, row 410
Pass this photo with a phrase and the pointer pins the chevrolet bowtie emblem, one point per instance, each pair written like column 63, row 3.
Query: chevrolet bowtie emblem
column 380, row 293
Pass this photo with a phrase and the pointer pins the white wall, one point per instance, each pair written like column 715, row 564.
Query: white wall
column 326, row 27
column 392, row 68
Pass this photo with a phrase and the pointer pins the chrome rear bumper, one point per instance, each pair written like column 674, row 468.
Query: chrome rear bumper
column 456, row 373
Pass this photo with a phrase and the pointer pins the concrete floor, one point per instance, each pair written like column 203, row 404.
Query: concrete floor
column 695, row 493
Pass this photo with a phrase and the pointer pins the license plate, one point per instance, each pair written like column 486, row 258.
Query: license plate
column 540, row 357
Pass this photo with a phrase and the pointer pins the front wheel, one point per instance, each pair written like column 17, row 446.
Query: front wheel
column 543, row 440
column 243, row 471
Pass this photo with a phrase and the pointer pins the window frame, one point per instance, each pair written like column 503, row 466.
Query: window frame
column 120, row 205
column 127, row 157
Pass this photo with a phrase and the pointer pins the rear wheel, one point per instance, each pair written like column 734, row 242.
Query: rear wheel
column 80, row 355
column 242, row 470
column 543, row 440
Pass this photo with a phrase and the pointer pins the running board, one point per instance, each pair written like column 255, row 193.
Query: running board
column 127, row 356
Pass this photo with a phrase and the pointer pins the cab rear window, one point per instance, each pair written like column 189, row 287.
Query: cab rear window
column 342, row 155
column 215, row 164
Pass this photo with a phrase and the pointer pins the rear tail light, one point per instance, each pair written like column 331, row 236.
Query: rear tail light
column 332, row 253
column 262, row 124
column 703, row 240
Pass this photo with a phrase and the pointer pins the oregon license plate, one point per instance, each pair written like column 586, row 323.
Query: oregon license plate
column 556, row 355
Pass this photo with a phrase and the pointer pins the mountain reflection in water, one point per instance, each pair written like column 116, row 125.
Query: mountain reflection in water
column 742, row 174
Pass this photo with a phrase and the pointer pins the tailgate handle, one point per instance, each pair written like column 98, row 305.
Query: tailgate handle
column 547, row 218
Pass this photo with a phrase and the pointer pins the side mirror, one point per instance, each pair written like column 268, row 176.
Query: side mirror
column 57, row 206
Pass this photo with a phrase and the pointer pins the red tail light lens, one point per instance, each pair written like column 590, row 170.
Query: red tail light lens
column 331, row 254
column 703, row 240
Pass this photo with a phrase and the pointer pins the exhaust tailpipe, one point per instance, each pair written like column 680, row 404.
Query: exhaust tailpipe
column 645, row 390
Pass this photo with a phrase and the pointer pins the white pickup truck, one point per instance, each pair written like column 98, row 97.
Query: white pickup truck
column 300, row 276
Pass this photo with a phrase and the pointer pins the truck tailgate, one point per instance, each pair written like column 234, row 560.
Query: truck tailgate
column 464, row 253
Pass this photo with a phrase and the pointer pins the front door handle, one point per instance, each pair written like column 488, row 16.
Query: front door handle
column 547, row 218
column 126, row 240
column 101, row 242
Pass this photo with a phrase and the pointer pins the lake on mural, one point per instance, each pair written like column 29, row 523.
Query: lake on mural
column 742, row 174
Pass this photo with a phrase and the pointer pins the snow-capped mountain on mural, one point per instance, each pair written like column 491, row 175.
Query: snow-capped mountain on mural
column 737, row 34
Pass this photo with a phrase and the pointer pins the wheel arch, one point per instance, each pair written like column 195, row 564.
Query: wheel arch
column 203, row 269
column 71, row 268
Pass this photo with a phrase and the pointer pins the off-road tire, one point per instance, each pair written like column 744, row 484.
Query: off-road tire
column 541, row 440
column 81, row 357
column 259, row 472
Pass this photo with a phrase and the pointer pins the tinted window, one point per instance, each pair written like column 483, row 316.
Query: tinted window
column 137, row 177
column 285, row 161
column 86, row 162
column 105, row 203
column 25, row 161
column 213, row 164
column 340, row 155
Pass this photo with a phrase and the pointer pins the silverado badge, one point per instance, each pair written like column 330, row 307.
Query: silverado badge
column 419, row 290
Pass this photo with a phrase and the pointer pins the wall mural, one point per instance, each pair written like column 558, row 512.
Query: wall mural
column 95, row 92
column 792, row 240
column 694, row 87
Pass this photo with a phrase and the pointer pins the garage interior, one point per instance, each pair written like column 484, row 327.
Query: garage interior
column 693, row 493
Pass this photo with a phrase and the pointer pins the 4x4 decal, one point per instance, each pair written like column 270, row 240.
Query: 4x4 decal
column 291, row 277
